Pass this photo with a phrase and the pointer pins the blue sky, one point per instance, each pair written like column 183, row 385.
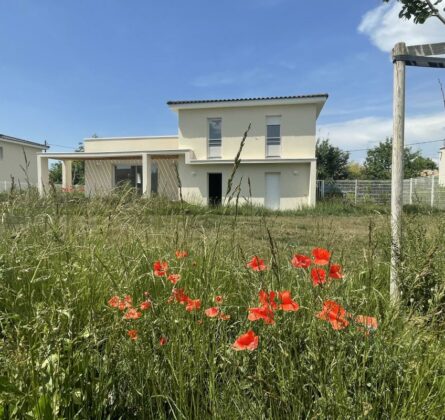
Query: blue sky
column 73, row 68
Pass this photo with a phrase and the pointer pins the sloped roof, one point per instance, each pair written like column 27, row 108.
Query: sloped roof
column 23, row 142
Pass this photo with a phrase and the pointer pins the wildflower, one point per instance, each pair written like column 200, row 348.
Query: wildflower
column 145, row 305
column 335, row 271
column 114, row 301
column 181, row 254
column 163, row 341
column 218, row 299
column 212, row 312
column 248, row 341
column 321, row 256
column 133, row 334
column 160, row 268
column 334, row 314
column 301, row 261
column 287, row 304
column 318, row 276
column 369, row 322
column 179, row 296
column 125, row 303
column 224, row 317
column 257, row 264
column 174, row 278
column 263, row 313
column 267, row 299
column 132, row 313
column 193, row 305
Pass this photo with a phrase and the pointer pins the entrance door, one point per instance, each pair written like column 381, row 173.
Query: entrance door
column 215, row 189
column 273, row 191
column 128, row 175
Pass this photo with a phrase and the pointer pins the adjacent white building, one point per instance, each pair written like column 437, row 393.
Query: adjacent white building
column 278, row 164
column 442, row 166
column 18, row 160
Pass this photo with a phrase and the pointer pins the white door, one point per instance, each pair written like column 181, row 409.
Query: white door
column 273, row 192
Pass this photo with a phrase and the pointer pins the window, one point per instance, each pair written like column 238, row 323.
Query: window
column 1, row 153
column 214, row 137
column 273, row 137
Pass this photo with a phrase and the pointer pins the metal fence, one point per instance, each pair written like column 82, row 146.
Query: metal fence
column 423, row 190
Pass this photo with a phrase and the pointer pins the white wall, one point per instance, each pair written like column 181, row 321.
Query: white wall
column 131, row 144
column 442, row 167
column 13, row 161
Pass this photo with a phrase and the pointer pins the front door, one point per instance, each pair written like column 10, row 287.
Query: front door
column 128, row 175
column 273, row 191
column 215, row 189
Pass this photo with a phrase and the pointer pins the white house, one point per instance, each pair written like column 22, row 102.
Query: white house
column 18, row 160
column 278, row 165
column 442, row 166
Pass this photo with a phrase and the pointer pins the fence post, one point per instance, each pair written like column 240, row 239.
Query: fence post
column 432, row 191
column 322, row 188
column 410, row 191
column 6, row 186
column 356, row 190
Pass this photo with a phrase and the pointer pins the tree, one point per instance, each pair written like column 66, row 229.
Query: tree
column 78, row 167
column 421, row 10
column 331, row 161
column 355, row 171
column 378, row 162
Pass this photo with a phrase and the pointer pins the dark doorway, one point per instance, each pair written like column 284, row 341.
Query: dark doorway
column 128, row 175
column 215, row 189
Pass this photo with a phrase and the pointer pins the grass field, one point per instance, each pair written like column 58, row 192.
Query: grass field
column 66, row 353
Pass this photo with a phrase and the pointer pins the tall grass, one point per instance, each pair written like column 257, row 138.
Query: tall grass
column 64, row 353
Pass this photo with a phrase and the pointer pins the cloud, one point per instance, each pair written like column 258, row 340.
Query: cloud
column 384, row 27
column 368, row 131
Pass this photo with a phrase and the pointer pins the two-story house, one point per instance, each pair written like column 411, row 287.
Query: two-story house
column 278, row 165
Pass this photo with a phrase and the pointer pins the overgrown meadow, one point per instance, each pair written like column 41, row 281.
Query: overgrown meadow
column 123, row 307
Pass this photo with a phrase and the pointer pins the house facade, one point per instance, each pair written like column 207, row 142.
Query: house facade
column 18, row 160
column 277, row 169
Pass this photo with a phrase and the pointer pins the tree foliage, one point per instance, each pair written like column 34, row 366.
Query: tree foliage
column 78, row 168
column 378, row 162
column 332, row 162
column 421, row 10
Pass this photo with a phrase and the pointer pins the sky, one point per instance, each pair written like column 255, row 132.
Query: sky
column 71, row 69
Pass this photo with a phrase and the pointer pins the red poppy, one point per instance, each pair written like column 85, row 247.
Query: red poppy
column 267, row 299
column 287, row 304
column 369, row 322
column 224, row 317
column 179, row 296
column 145, row 305
column 163, row 341
column 212, row 312
column 334, row 314
column 219, row 299
column 335, row 271
column 174, row 278
column 318, row 276
column 133, row 334
column 160, row 268
column 263, row 313
column 193, row 305
column 321, row 256
column 181, row 254
column 301, row 261
column 114, row 301
column 132, row 313
column 248, row 341
column 125, row 303
column 257, row 264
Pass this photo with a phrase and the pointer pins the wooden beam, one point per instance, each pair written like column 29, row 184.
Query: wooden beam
column 426, row 49
column 419, row 61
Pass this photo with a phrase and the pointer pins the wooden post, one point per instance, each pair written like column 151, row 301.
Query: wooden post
column 356, row 190
column 397, row 167
column 410, row 191
column 432, row 191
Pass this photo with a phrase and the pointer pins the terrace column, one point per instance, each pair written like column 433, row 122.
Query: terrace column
column 67, row 175
column 146, row 174
column 312, row 184
column 42, row 174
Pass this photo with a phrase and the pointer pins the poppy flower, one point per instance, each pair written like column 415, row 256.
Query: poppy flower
column 193, row 305
column 125, row 303
column 179, row 296
column 174, row 278
column 318, row 276
column 267, row 299
column 334, row 314
column 335, row 271
column 369, row 322
column 321, row 256
column 160, row 268
column 132, row 313
column 287, row 304
column 133, row 334
column 181, row 254
column 145, row 305
column 301, row 261
column 257, row 264
column 219, row 299
column 163, row 341
column 223, row 316
column 263, row 313
column 212, row 312
column 248, row 341
column 114, row 301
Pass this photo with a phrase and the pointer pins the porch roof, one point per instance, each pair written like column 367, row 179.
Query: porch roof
column 112, row 155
